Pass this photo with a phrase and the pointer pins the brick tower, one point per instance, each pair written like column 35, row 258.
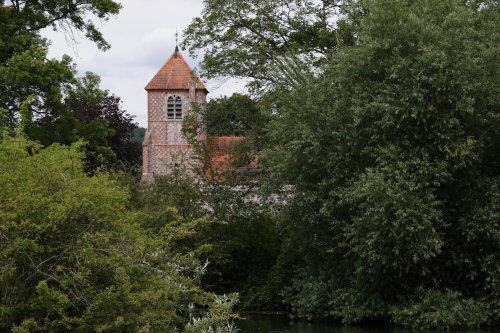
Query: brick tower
column 171, row 93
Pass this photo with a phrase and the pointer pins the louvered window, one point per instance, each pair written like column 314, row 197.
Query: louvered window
column 170, row 108
column 178, row 108
column 174, row 107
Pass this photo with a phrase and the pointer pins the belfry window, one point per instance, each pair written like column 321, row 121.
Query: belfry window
column 170, row 108
column 174, row 108
column 178, row 108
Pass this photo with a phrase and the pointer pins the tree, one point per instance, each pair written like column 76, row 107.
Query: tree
column 254, row 39
column 29, row 76
column 23, row 19
column 235, row 238
column 74, row 260
column 96, row 109
column 237, row 115
column 60, row 107
column 85, row 113
column 390, row 155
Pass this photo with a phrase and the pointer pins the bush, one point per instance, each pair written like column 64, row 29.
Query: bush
column 73, row 260
column 443, row 309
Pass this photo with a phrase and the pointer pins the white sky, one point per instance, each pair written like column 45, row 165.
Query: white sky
column 142, row 37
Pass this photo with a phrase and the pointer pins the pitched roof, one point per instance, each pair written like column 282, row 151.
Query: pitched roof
column 221, row 149
column 175, row 74
column 223, row 145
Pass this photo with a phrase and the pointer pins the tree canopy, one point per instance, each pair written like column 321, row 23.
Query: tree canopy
column 392, row 157
column 74, row 258
column 45, row 99
column 382, row 135
column 254, row 39
column 237, row 115
column 22, row 18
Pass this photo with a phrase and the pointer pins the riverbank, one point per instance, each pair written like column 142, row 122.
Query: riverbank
column 280, row 322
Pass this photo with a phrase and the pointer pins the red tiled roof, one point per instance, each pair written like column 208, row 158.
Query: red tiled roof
column 221, row 150
column 175, row 74
column 222, row 145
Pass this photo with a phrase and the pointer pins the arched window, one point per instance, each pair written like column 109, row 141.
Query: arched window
column 178, row 108
column 170, row 108
column 174, row 107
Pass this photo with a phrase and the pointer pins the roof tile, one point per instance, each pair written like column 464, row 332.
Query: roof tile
column 175, row 74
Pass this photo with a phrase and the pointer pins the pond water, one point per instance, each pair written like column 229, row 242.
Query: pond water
column 276, row 323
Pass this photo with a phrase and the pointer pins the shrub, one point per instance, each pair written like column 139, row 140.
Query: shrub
column 444, row 309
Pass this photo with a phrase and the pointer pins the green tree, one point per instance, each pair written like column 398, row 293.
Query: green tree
column 252, row 39
column 222, row 227
column 101, row 122
column 390, row 162
column 65, row 109
column 74, row 260
column 21, row 20
column 62, row 108
column 28, row 74
column 237, row 115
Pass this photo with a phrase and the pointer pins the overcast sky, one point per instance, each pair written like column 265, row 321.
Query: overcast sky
column 142, row 37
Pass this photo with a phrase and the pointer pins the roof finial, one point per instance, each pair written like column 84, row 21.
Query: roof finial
column 176, row 42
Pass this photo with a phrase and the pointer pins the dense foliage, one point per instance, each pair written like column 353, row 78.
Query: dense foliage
column 396, row 174
column 74, row 258
column 377, row 194
column 237, row 238
column 253, row 39
column 387, row 149
column 237, row 115
column 100, row 121
column 76, row 251
column 44, row 99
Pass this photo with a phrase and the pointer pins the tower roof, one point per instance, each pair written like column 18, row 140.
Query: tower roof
column 175, row 74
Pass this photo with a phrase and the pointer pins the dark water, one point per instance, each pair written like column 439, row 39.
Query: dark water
column 269, row 323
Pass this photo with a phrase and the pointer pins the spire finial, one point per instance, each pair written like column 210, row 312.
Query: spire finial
column 176, row 43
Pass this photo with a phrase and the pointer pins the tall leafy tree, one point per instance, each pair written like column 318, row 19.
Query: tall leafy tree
column 254, row 39
column 392, row 158
column 29, row 77
column 42, row 97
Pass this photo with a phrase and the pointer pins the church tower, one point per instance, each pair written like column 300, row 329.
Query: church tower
column 171, row 93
